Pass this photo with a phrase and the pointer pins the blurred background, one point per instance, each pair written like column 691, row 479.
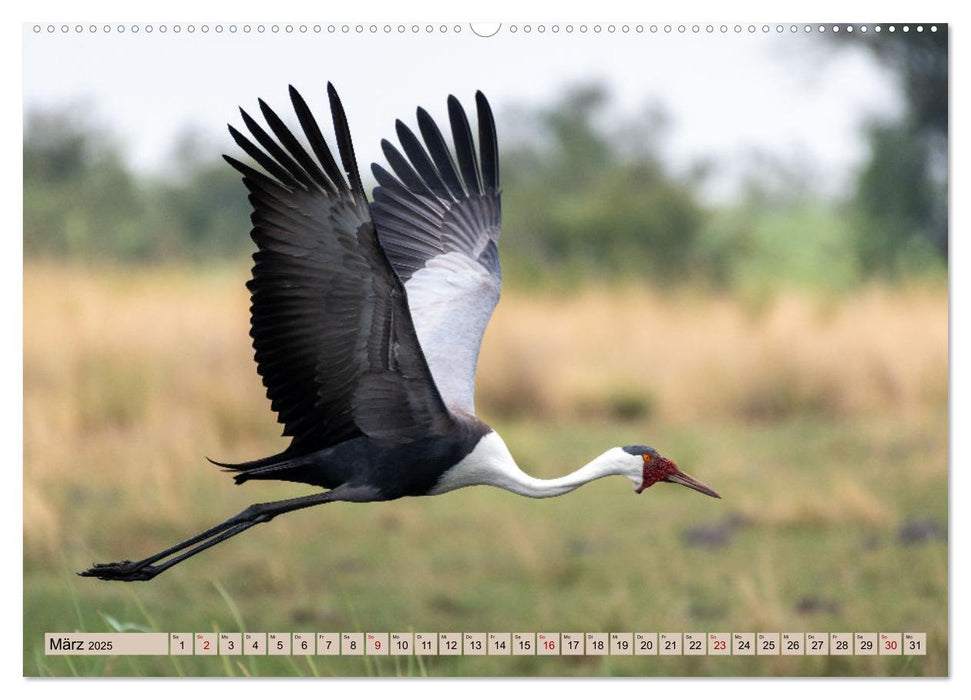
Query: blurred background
column 732, row 247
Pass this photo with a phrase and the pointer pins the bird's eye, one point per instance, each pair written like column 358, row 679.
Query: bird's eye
column 647, row 458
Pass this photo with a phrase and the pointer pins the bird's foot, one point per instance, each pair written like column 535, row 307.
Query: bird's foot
column 121, row 571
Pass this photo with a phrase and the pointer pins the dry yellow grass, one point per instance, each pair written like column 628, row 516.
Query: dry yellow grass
column 129, row 373
column 117, row 338
column 138, row 370
column 685, row 357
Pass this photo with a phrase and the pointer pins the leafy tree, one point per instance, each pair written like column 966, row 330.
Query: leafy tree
column 581, row 198
column 79, row 197
column 202, row 202
column 82, row 200
column 901, row 192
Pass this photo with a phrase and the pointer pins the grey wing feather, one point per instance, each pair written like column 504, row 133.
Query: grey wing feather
column 331, row 327
column 438, row 220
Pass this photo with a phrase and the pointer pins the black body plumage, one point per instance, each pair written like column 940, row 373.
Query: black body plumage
column 392, row 469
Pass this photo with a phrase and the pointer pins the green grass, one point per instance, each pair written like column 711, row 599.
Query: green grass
column 818, row 506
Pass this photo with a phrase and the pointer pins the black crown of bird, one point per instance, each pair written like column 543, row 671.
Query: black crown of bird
column 367, row 318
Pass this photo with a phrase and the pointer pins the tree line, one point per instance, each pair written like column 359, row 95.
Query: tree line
column 583, row 198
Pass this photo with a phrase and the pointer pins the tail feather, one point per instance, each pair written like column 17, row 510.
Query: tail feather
column 246, row 466
column 259, row 468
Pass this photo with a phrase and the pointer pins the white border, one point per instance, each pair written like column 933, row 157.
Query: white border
column 495, row 10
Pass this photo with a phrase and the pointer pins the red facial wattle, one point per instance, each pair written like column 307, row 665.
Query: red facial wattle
column 663, row 469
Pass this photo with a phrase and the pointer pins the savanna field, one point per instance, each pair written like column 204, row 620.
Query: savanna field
column 821, row 420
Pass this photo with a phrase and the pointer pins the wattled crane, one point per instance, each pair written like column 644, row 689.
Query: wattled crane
column 367, row 321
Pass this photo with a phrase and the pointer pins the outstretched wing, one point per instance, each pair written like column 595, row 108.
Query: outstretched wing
column 439, row 223
column 331, row 327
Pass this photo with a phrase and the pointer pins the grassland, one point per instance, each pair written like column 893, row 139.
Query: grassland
column 822, row 422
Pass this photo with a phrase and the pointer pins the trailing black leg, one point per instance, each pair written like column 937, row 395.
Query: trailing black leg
column 255, row 514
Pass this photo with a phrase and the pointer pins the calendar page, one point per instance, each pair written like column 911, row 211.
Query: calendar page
column 517, row 349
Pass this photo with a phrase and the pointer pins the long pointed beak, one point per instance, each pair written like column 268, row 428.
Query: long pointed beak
column 679, row 477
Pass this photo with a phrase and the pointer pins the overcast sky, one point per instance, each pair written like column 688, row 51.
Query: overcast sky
column 726, row 94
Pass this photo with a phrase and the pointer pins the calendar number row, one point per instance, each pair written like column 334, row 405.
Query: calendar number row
column 489, row 644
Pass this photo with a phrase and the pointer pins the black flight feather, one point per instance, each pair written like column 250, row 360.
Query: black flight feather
column 488, row 146
column 295, row 148
column 344, row 144
column 402, row 168
column 312, row 131
column 264, row 160
column 464, row 146
column 419, row 158
column 440, row 154
column 274, row 150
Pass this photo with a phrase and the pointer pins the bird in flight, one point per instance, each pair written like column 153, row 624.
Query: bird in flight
column 367, row 320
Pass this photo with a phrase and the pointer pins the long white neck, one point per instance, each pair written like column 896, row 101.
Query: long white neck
column 491, row 464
